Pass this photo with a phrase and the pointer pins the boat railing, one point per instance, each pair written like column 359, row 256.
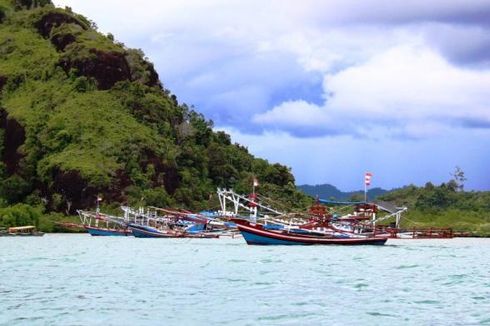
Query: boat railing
column 417, row 233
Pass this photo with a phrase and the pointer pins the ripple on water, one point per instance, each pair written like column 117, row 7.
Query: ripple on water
column 407, row 266
column 427, row 302
column 127, row 281
column 380, row 314
column 361, row 286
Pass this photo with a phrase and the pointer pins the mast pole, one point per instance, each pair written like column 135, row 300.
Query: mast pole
column 365, row 191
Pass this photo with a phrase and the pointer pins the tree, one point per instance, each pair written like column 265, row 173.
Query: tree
column 429, row 186
column 356, row 197
column 459, row 178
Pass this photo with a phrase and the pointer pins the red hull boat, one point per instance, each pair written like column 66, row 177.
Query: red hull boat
column 256, row 234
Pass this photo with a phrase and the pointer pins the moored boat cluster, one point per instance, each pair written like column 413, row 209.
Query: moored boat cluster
column 154, row 222
column 258, row 223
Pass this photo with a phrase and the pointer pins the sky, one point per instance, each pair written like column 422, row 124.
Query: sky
column 330, row 88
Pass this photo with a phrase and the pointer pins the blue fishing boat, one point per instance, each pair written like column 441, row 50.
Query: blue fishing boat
column 95, row 231
column 98, row 224
column 145, row 231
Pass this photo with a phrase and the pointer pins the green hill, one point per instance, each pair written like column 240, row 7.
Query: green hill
column 81, row 115
column 444, row 206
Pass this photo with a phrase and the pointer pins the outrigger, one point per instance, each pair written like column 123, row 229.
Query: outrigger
column 98, row 224
column 272, row 227
column 259, row 234
column 266, row 225
column 154, row 222
column 158, row 222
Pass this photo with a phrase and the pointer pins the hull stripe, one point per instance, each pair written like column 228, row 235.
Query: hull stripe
column 268, row 235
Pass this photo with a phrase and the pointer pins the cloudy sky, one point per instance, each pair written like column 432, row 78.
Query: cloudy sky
column 331, row 88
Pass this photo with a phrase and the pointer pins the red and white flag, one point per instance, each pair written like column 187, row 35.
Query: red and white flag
column 367, row 178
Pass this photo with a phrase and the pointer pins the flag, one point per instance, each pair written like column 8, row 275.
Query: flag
column 367, row 178
column 256, row 182
column 99, row 198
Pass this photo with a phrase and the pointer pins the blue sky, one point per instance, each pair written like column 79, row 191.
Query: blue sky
column 331, row 88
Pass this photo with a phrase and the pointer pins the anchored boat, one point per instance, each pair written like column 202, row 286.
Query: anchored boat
column 155, row 222
column 258, row 234
column 145, row 231
column 98, row 224
column 316, row 227
column 22, row 231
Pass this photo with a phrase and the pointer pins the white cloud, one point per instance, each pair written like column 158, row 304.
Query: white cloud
column 410, row 87
column 217, row 54
column 409, row 81
column 294, row 113
column 359, row 70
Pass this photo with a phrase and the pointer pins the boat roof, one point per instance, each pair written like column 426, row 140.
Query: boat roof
column 19, row 228
column 340, row 202
column 383, row 205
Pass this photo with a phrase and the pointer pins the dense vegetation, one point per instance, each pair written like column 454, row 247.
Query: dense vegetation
column 81, row 115
column 446, row 205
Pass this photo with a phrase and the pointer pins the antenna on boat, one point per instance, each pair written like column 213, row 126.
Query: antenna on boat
column 253, row 197
column 99, row 199
column 97, row 210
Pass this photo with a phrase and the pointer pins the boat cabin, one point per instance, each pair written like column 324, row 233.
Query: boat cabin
column 22, row 230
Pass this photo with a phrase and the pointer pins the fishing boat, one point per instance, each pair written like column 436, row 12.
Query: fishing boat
column 155, row 222
column 145, row 231
column 98, row 224
column 22, row 231
column 172, row 224
column 257, row 234
column 97, row 231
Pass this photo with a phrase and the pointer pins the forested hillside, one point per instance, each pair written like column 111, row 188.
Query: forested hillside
column 446, row 205
column 82, row 115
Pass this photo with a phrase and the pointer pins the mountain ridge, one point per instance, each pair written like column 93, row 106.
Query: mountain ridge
column 328, row 191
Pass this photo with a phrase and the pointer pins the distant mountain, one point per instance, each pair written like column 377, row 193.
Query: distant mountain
column 328, row 191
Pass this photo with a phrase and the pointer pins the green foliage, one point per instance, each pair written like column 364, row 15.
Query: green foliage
column 14, row 188
column 356, row 197
column 133, row 143
column 19, row 215
column 53, row 222
column 6, row 3
column 435, row 199
column 141, row 69
column 3, row 13
column 443, row 206
column 157, row 197
column 24, row 55
column 30, row 4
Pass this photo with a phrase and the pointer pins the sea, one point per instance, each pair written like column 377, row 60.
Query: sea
column 76, row 279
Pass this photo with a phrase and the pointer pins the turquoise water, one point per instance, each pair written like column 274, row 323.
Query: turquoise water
column 82, row 280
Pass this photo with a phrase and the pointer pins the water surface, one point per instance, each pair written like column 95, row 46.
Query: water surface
column 83, row 280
